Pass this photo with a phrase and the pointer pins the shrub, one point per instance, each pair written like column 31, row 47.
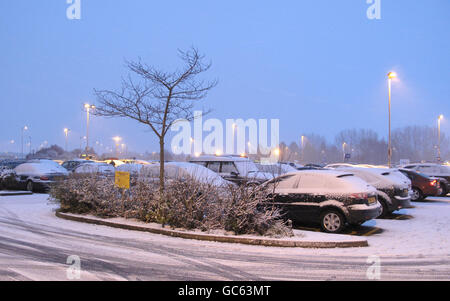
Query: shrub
column 186, row 203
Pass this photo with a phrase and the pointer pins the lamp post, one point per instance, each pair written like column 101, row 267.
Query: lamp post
column 88, row 107
column 117, row 139
column 343, row 150
column 303, row 149
column 439, row 137
column 66, row 133
column 391, row 75
column 25, row 128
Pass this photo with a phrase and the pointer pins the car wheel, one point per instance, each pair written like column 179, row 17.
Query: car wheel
column 417, row 195
column 332, row 221
column 444, row 191
column 30, row 186
column 384, row 209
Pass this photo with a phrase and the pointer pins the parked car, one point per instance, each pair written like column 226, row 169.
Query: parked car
column 114, row 162
column 37, row 176
column 275, row 169
column 422, row 185
column 7, row 172
column 330, row 198
column 393, row 191
column 293, row 164
column 433, row 170
column 136, row 161
column 71, row 165
column 10, row 164
column 182, row 170
column 95, row 168
column 339, row 165
column 133, row 168
column 235, row 169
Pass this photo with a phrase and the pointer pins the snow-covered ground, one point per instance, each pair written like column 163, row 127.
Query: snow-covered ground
column 34, row 244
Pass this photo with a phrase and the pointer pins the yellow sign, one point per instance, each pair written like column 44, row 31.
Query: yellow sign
column 122, row 180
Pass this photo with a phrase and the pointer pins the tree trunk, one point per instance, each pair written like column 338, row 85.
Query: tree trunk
column 161, row 166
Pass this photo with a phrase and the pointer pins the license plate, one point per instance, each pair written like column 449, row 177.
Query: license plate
column 372, row 200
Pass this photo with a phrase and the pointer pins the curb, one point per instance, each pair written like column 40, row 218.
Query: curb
column 218, row 238
column 15, row 193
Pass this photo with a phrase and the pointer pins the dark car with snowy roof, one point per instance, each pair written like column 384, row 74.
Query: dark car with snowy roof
column 330, row 198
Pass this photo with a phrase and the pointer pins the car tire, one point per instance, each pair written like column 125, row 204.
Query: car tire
column 417, row 195
column 30, row 186
column 444, row 191
column 331, row 221
column 384, row 209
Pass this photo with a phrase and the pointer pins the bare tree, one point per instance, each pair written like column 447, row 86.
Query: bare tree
column 157, row 98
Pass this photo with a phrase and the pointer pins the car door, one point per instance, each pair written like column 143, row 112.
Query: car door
column 229, row 171
column 294, row 203
column 310, row 195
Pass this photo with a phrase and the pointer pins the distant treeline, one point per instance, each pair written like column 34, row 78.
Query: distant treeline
column 416, row 143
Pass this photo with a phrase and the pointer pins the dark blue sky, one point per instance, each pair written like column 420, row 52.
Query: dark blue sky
column 318, row 65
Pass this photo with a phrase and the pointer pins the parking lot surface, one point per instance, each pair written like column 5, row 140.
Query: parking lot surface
column 35, row 245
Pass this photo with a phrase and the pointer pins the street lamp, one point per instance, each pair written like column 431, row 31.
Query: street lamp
column 391, row 76
column 25, row 128
column 439, row 137
column 117, row 139
column 303, row 148
column 66, row 133
column 88, row 107
column 343, row 150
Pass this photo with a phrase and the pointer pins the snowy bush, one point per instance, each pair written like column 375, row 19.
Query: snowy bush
column 186, row 203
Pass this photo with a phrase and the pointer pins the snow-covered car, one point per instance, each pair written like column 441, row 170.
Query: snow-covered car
column 95, row 168
column 136, row 161
column 235, row 169
column 339, row 165
column 70, row 165
column 393, row 190
column 182, row 170
column 330, row 198
column 133, row 168
column 114, row 162
column 433, row 170
column 7, row 174
column 294, row 164
column 9, row 164
column 276, row 169
column 38, row 175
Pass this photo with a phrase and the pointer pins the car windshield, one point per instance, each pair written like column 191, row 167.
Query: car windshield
column 246, row 167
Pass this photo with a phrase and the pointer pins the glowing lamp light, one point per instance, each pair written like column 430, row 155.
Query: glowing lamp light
column 277, row 152
column 392, row 75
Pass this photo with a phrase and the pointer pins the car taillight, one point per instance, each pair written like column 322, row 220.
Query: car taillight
column 433, row 183
column 44, row 178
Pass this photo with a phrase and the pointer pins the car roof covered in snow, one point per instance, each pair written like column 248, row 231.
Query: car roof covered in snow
column 323, row 172
column 323, row 182
column 181, row 169
column 94, row 167
column 40, row 168
column 130, row 167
